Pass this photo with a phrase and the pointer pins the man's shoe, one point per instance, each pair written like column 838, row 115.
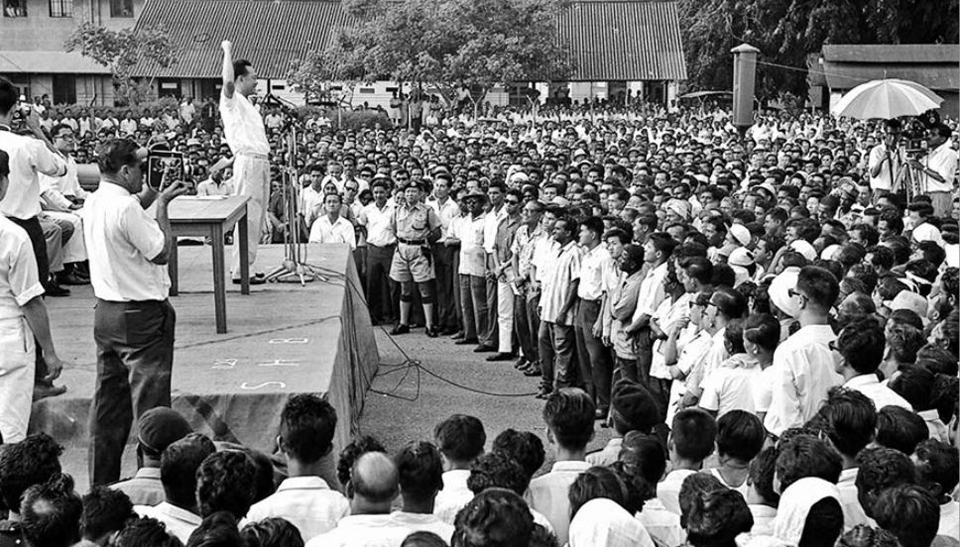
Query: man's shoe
column 466, row 342
column 500, row 357
column 532, row 372
column 521, row 363
column 399, row 329
column 259, row 279
column 71, row 279
column 484, row 349
column 54, row 289
column 42, row 391
column 447, row 331
column 457, row 335
column 432, row 332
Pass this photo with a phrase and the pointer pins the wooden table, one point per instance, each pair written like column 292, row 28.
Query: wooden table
column 212, row 217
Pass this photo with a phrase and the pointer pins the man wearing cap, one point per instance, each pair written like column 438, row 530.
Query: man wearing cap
column 134, row 322
column 244, row 131
column 417, row 227
column 157, row 429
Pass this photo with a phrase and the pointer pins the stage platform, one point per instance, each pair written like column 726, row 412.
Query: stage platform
column 282, row 339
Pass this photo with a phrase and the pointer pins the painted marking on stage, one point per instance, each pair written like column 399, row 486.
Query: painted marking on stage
column 251, row 387
column 225, row 364
column 288, row 340
column 280, row 363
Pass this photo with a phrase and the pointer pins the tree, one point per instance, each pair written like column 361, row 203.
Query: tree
column 451, row 44
column 787, row 32
column 122, row 51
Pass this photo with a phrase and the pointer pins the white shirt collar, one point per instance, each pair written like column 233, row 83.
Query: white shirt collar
column 303, row 483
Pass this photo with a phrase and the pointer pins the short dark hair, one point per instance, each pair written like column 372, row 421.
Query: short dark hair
column 145, row 532
column 570, row 414
column 879, row 469
column 593, row 224
column 224, row 482
column 663, row 242
column 351, row 452
column 421, row 470
column 523, row 446
column 423, row 538
column 699, row 268
column 496, row 516
column 693, row 434
column 763, row 330
column 4, row 164
column 761, row 471
column 938, row 466
column 105, row 510
column 807, row 456
column 692, row 487
column 868, row 234
column 900, row 429
column 863, row 535
column 861, row 344
column 740, row 435
column 596, row 482
column 850, row 418
column 240, row 68
column 307, row 426
column 178, row 468
column 8, row 95
column 116, row 153
column 819, row 285
column 644, row 456
column 910, row 512
column 218, row 529
column 717, row 517
column 730, row 302
column 823, row 525
column 271, row 532
column 460, row 437
column 915, row 384
column 497, row 470
column 50, row 513
column 31, row 461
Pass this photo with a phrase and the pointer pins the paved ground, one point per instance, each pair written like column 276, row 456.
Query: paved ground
column 395, row 421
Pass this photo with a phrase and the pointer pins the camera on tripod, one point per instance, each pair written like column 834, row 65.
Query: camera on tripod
column 915, row 133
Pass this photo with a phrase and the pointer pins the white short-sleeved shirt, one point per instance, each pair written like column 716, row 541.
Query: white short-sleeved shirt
column 341, row 231
column 651, row 292
column 243, row 125
column 472, row 254
column 596, row 270
column 307, row 502
column 943, row 160
column 19, row 282
column 728, row 387
column 121, row 241
column 377, row 221
column 565, row 271
column 28, row 158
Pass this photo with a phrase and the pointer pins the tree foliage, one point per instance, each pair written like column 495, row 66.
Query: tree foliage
column 787, row 32
column 447, row 43
column 121, row 51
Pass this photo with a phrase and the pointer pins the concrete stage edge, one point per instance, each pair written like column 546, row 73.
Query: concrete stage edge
column 282, row 339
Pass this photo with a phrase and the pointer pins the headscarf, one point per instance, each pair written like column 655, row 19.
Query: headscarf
column 795, row 504
column 602, row 522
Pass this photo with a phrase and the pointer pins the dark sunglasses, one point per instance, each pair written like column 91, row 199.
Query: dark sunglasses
column 512, row 202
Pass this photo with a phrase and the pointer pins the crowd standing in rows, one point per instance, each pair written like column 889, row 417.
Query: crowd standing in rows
column 768, row 322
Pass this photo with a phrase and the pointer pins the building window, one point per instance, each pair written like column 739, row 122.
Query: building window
column 14, row 8
column 168, row 88
column 61, row 8
column 64, row 89
column 121, row 8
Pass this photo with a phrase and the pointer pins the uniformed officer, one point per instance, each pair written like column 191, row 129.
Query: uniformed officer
column 417, row 226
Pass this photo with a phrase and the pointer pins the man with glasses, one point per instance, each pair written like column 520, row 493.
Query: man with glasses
column 60, row 210
column 804, row 363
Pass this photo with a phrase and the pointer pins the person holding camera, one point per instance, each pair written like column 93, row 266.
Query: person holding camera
column 133, row 322
column 938, row 170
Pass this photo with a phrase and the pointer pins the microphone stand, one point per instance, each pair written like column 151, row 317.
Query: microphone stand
column 293, row 269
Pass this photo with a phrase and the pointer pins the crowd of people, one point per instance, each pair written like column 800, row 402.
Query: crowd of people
column 766, row 321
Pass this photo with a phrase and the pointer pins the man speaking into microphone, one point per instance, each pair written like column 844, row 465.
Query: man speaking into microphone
column 245, row 133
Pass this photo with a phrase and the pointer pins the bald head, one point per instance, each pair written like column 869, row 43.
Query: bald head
column 374, row 479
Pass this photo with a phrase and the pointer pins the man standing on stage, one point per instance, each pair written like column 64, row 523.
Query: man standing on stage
column 133, row 321
column 245, row 133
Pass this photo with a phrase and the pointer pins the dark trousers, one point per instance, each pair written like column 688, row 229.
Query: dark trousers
column 488, row 336
column 479, row 299
column 466, row 303
column 643, row 347
column 458, row 303
column 596, row 366
column 381, row 290
column 565, row 347
column 134, row 365
column 39, row 244
column 660, row 390
column 443, row 262
column 526, row 335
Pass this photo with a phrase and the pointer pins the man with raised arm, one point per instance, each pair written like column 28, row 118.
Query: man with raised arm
column 245, row 133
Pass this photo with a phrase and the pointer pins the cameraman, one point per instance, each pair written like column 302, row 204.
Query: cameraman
column 938, row 170
column 134, row 322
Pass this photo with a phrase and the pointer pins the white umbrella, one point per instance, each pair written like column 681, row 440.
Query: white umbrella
column 886, row 99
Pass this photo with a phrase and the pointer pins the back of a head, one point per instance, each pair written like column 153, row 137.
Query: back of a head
column 693, row 434
column 307, row 426
column 423, row 539
column 760, row 475
column 644, row 455
column 523, row 446
column 420, row 467
column 850, row 418
column 570, row 414
column 224, row 483
column 178, row 468
column 105, row 511
column 50, row 513
column 861, row 343
column 460, row 438
column 692, row 488
column 717, row 517
column 497, row 470
column 823, row 525
column 900, row 429
column 910, row 513
column 374, row 478
column 596, row 482
column 740, row 435
column 915, row 384
column 8, row 96
column 271, row 532
column 145, row 532
column 494, row 518
column 938, row 467
column 350, row 453
column 807, row 456
column 217, row 529
column 879, row 469
column 114, row 154
column 819, row 285
column 863, row 535
column 31, row 461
